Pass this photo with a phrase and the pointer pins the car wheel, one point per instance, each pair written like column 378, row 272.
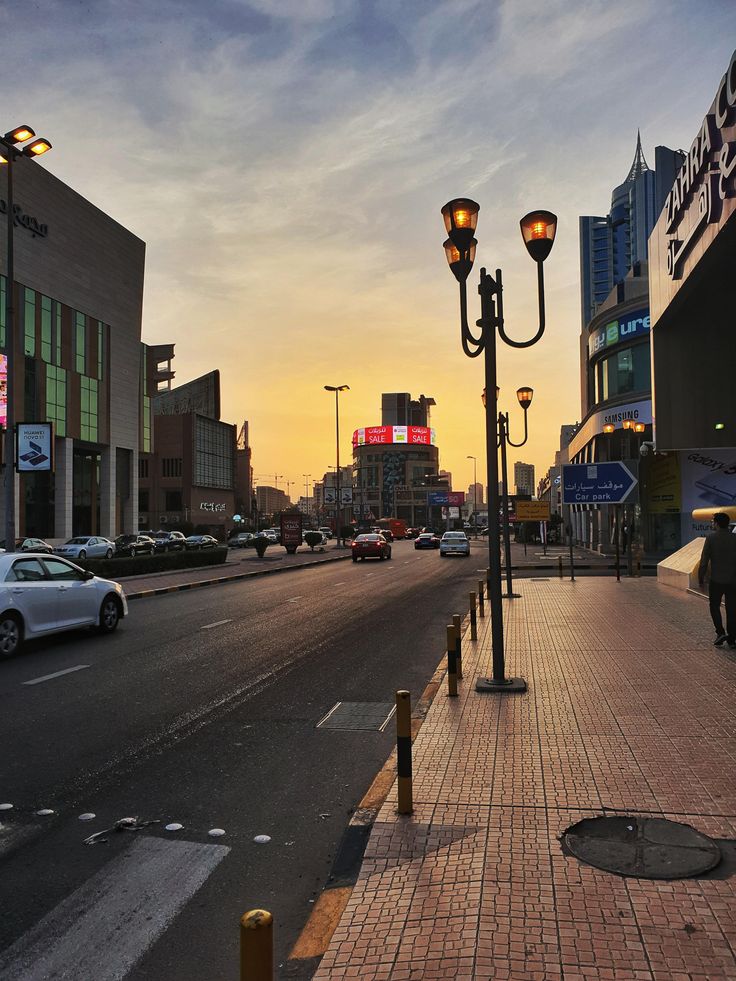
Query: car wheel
column 11, row 634
column 381, row 556
column 109, row 553
column 150, row 551
column 110, row 613
column 82, row 555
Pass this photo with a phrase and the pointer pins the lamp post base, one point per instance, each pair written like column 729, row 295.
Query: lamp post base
column 511, row 596
column 509, row 686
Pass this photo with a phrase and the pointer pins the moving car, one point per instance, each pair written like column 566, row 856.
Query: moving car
column 370, row 546
column 134, row 545
column 201, row 541
column 427, row 539
column 454, row 543
column 168, row 541
column 36, row 545
column 42, row 594
column 86, row 547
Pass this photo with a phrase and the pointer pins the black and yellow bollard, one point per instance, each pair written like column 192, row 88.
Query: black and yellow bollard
column 403, row 751
column 481, row 599
column 451, row 661
column 256, row 946
column 473, row 619
column 559, row 564
column 456, row 622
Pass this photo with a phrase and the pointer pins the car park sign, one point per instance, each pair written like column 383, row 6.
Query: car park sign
column 597, row 483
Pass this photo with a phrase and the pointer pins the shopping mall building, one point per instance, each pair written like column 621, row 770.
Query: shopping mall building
column 78, row 296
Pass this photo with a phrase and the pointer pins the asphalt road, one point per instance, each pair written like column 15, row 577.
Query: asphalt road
column 202, row 710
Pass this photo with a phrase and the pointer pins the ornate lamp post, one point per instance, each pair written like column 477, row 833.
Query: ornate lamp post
column 475, row 492
column 337, row 389
column 9, row 153
column 538, row 230
column 524, row 395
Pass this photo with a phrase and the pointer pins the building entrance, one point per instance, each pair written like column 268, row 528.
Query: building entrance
column 86, row 495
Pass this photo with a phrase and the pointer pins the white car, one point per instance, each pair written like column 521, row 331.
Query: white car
column 86, row 547
column 454, row 543
column 45, row 594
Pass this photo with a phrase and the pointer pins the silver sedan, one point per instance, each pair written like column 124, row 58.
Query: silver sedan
column 86, row 547
column 45, row 594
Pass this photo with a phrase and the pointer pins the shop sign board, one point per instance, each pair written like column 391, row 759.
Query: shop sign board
column 532, row 511
column 291, row 530
column 624, row 328
column 34, row 442
column 597, row 483
column 445, row 498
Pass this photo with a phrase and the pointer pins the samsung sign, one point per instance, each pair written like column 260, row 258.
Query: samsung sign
column 631, row 325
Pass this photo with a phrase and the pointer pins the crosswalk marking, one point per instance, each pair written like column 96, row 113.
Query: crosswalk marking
column 106, row 925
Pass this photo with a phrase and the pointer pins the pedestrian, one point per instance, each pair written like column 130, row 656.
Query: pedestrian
column 719, row 551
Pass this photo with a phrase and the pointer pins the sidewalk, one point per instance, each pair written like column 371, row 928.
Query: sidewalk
column 629, row 710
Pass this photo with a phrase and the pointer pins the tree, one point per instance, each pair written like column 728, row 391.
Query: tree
column 313, row 538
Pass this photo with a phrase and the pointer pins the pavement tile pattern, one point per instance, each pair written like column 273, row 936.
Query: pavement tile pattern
column 629, row 710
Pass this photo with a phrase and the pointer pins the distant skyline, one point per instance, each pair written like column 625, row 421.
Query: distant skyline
column 286, row 162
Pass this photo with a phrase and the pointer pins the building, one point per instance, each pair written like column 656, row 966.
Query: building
column 189, row 477
column 475, row 495
column 524, row 482
column 271, row 500
column 399, row 409
column 77, row 295
column 692, row 293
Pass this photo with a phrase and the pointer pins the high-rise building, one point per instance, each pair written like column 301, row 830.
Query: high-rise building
column 524, row 478
column 400, row 409
column 475, row 494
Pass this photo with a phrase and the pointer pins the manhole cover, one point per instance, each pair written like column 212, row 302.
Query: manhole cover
column 645, row 848
column 358, row 715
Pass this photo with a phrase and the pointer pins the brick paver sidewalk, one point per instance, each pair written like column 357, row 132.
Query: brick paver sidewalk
column 631, row 710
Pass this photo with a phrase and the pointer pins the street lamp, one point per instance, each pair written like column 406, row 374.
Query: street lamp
column 525, row 396
column 337, row 389
column 475, row 493
column 307, row 477
column 9, row 153
column 538, row 229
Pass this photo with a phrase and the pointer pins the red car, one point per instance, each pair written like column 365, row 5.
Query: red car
column 371, row 547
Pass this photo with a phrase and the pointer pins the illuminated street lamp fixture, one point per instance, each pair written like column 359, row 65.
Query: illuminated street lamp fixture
column 10, row 152
column 337, row 389
column 639, row 427
column 609, row 428
column 538, row 229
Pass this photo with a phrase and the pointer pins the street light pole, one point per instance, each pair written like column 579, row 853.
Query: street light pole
column 337, row 389
column 475, row 494
column 524, row 395
column 538, row 231
column 8, row 155
column 306, row 494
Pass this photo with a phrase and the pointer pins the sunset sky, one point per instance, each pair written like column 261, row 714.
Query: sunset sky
column 286, row 161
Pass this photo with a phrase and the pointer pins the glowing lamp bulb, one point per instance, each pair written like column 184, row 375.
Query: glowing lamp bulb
column 609, row 427
column 539, row 229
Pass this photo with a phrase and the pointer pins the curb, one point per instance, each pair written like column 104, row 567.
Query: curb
column 316, row 934
column 219, row 580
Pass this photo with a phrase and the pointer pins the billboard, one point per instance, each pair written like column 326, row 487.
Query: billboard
column 628, row 325
column 388, row 435
column 445, row 498
column 202, row 395
column 34, row 446
column 3, row 391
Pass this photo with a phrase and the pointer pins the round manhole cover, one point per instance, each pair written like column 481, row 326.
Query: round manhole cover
column 645, row 848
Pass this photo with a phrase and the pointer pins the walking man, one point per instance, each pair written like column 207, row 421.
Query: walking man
column 720, row 551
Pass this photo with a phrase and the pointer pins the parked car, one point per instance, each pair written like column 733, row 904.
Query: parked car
column 201, row 541
column 134, row 545
column 168, row 541
column 36, row 545
column 454, row 543
column 327, row 532
column 86, row 547
column 241, row 539
column 427, row 539
column 42, row 594
column 370, row 546
column 271, row 534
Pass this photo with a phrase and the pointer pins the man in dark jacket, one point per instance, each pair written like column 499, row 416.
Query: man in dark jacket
column 719, row 551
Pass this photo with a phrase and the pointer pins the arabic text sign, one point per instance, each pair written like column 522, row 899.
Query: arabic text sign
column 382, row 435
column 532, row 510
column 33, row 446
column 596, row 483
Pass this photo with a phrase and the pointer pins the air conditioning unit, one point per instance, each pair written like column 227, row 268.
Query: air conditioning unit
column 164, row 519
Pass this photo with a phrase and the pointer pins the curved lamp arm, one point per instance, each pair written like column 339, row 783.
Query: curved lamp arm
column 540, row 288
column 465, row 334
column 526, row 432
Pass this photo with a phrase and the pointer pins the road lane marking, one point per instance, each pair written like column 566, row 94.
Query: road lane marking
column 103, row 928
column 217, row 623
column 339, row 583
column 56, row 674
column 294, row 599
column 407, row 563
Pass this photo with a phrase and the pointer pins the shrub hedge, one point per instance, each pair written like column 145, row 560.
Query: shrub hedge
column 139, row 565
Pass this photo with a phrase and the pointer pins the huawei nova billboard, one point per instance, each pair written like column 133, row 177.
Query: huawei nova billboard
column 386, row 435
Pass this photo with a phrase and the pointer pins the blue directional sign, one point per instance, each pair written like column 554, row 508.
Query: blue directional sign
column 596, row 483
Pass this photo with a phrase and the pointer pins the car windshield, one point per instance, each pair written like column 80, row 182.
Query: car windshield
column 368, row 538
column 77, row 541
column 455, row 535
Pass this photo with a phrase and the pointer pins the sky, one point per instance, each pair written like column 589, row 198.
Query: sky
column 285, row 162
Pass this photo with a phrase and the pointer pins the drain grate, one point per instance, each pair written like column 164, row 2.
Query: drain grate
column 358, row 715
column 644, row 848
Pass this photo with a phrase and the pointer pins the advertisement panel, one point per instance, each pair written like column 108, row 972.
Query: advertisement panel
column 445, row 498
column 387, row 435
column 291, row 530
column 627, row 326
column 708, row 480
column 3, row 391
column 532, row 510
column 34, row 443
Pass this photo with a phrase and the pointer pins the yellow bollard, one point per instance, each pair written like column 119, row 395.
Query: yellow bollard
column 451, row 661
column 456, row 622
column 256, row 946
column 473, row 619
column 481, row 599
column 403, row 751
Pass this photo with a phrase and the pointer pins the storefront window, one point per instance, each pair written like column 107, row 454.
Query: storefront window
column 29, row 322
column 88, row 400
column 46, row 329
column 623, row 373
column 56, row 398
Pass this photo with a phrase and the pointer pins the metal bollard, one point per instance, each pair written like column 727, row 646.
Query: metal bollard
column 638, row 567
column 473, row 619
column 256, row 946
column 481, row 600
column 559, row 565
column 488, row 584
column 456, row 622
column 451, row 661
column 403, row 751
